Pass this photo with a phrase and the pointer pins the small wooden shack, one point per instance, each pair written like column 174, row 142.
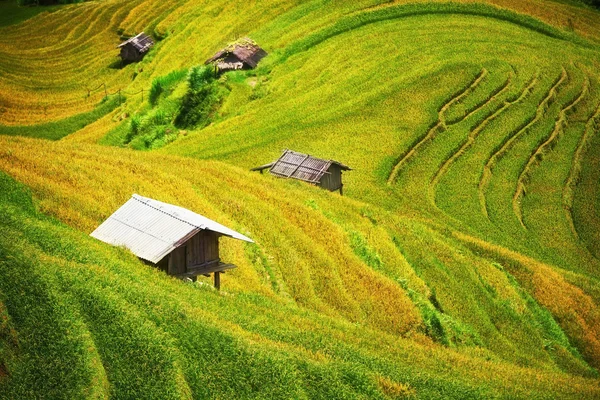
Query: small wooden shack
column 134, row 49
column 243, row 54
column 176, row 240
column 324, row 173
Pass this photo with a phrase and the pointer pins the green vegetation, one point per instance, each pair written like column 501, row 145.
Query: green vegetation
column 159, row 125
column 202, row 99
column 13, row 12
column 56, row 130
column 163, row 86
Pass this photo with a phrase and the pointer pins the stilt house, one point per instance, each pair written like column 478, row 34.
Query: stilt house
column 176, row 240
column 243, row 54
column 324, row 173
column 135, row 48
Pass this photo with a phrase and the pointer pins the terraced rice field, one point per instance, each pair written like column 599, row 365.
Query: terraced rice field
column 461, row 262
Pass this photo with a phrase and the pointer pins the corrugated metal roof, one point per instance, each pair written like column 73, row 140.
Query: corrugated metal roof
column 301, row 166
column 152, row 229
column 141, row 42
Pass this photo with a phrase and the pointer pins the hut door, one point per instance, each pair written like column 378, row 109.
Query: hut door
column 178, row 261
column 196, row 250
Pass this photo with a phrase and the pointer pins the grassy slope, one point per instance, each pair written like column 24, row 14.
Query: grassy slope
column 56, row 130
column 129, row 329
column 337, row 290
column 90, row 32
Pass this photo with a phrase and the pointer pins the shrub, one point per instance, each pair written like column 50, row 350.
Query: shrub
column 199, row 76
column 134, row 128
column 155, row 91
column 202, row 99
column 164, row 84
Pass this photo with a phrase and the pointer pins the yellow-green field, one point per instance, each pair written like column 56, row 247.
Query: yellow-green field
column 461, row 262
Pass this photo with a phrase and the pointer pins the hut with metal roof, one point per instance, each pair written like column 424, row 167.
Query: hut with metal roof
column 324, row 173
column 243, row 54
column 134, row 49
column 176, row 240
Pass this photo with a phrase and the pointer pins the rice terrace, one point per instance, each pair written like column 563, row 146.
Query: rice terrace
column 287, row 199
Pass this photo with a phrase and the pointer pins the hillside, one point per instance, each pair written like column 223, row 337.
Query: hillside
column 461, row 262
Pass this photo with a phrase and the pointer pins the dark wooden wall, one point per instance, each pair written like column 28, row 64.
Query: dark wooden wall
column 197, row 254
column 202, row 249
column 333, row 180
column 130, row 53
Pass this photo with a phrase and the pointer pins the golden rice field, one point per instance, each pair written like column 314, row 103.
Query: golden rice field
column 51, row 60
column 461, row 262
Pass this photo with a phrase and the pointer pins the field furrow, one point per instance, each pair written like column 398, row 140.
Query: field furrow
column 473, row 133
column 505, row 146
column 538, row 152
column 456, row 190
column 487, row 98
column 438, row 126
column 568, row 194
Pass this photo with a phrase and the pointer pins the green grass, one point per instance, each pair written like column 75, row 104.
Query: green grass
column 91, row 321
column 59, row 129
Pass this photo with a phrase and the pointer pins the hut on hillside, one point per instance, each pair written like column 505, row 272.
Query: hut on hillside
column 243, row 54
column 134, row 49
column 324, row 173
column 176, row 240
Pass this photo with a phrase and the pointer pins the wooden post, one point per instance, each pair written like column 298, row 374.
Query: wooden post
column 341, row 189
column 218, row 280
column 105, row 92
column 142, row 95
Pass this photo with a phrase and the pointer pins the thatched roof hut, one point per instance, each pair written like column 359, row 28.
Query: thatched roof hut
column 243, row 54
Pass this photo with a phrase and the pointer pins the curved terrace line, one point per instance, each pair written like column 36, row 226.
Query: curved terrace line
column 493, row 95
column 364, row 18
column 526, row 92
column 575, row 172
column 486, row 175
column 538, row 154
column 472, row 135
column 439, row 125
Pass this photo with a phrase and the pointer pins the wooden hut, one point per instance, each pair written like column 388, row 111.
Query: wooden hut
column 135, row 48
column 324, row 173
column 243, row 54
column 176, row 240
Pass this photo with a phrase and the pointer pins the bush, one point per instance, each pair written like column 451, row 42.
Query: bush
column 155, row 137
column 155, row 91
column 198, row 107
column 164, row 84
column 200, row 76
column 202, row 99
column 134, row 127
